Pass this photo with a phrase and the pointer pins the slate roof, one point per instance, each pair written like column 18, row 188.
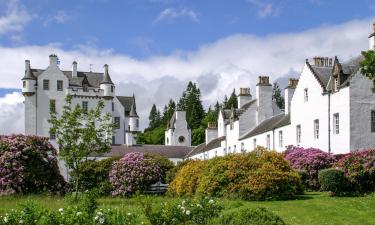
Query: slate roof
column 268, row 125
column 215, row 143
column 178, row 152
column 172, row 121
column 321, row 73
column 126, row 102
column 29, row 74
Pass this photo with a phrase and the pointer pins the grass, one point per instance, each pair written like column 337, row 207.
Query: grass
column 311, row 208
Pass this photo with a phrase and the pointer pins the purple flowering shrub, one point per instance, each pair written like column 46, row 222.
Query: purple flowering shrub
column 28, row 164
column 134, row 172
column 309, row 161
column 359, row 169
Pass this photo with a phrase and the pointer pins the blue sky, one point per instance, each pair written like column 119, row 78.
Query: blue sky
column 143, row 28
column 154, row 47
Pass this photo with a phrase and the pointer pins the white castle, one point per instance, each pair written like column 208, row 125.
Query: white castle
column 331, row 107
column 46, row 89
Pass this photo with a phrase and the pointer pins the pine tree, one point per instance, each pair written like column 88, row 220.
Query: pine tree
column 232, row 102
column 277, row 97
column 152, row 118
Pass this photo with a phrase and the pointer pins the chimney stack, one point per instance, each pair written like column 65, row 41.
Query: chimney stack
column 288, row 93
column 244, row 97
column 74, row 69
column 263, row 91
column 53, row 60
column 323, row 61
column 211, row 132
column 27, row 64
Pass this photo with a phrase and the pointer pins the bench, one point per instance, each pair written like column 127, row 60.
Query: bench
column 157, row 188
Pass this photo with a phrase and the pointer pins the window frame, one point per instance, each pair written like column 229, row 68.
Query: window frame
column 117, row 122
column 372, row 115
column 316, row 129
column 59, row 85
column 85, row 106
column 268, row 141
column 336, row 123
column 46, row 85
column 298, row 134
column 52, row 105
column 306, row 94
column 255, row 143
column 280, row 138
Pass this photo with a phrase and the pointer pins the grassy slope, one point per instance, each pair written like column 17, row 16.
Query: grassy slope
column 312, row 208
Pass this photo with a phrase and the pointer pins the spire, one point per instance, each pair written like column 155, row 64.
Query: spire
column 106, row 77
column 28, row 74
column 133, row 109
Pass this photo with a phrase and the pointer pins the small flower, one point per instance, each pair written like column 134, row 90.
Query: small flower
column 21, row 221
column 101, row 220
column 187, row 212
column 211, row 201
column 79, row 213
column 129, row 214
column 96, row 217
column 61, row 210
column 6, row 219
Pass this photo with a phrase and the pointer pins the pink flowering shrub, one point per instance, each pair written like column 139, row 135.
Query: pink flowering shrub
column 134, row 172
column 309, row 161
column 359, row 169
column 28, row 164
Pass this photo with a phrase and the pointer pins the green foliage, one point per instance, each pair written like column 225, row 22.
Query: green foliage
column 81, row 134
column 94, row 174
column 258, row 175
column 188, row 211
column 332, row 180
column 198, row 136
column 171, row 174
column 232, row 101
column 367, row 66
column 163, row 162
column 259, row 216
column 154, row 137
column 277, row 97
column 154, row 118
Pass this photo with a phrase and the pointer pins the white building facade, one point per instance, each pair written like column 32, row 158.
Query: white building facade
column 46, row 89
column 331, row 107
column 178, row 132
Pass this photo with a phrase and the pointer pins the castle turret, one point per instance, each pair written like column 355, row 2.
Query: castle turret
column 372, row 39
column 29, row 81
column 133, row 117
column 107, row 85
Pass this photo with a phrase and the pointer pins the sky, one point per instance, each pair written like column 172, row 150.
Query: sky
column 154, row 47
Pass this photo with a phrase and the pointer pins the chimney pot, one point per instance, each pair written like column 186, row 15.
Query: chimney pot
column 74, row 69
column 52, row 59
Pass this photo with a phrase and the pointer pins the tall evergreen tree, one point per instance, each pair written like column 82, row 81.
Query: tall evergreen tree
column 277, row 97
column 152, row 118
column 232, row 102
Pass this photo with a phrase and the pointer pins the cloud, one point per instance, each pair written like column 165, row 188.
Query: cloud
column 15, row 18
column 170, row 14
column 12, row 113
column 59, row 17
column 265, row 8
column 231, row 62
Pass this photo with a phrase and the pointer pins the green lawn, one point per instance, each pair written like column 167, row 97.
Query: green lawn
column 311, row 208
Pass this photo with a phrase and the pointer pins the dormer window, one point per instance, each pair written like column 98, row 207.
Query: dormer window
column 85, row 87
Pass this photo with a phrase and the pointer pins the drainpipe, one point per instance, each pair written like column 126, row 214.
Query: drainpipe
column 329, row 122
column 273, row 139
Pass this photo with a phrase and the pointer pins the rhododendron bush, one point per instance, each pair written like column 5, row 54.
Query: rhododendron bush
column 359, row 169
column 134, row 172
column 28, row 164
column 310, row 161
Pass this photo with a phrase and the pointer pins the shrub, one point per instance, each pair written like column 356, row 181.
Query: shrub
column 134, row 172
column 163, row 162
column 188, row 211
column 259, row 216
column 359, row 169
column 332, row 180
column 187, row 179
column 171, row 174
column 94, row 175
column 310, row 160
column 28, row 164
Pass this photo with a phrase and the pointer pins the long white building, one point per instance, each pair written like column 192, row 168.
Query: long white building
column 331, row 107
column 46, row 89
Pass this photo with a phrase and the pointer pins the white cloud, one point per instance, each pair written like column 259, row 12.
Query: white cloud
column 231, row 62
column 265, row 8
column 59, row 17
column 12, row 113
column 15, row 18
column 170, row 14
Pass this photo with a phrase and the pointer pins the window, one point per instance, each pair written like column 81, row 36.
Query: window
column 231, row 125
column 24, row 84
column 336, row 84
column 112, row 88
column 224, row 151
column 52, row 105
column 336, row 123
column 113, row 106
column 306, row 95
column 242, row 147
column 167, row 140
column 268, row 142
column 117, row 122
column 234, row 149
column 52, row 135
column 45, row 84
column 316, row 129
column 280, row 138
column 255, row 143
column 85, row 88
column 137, row 123
column 113, row 140
column 298, row 134
column 215, row 153
column 229, row 150
column 181, row 139
column 372, row 121
column 59, row 85
column 85, row 106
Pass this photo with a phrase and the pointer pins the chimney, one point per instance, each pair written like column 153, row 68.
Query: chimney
column 264, row 99
column 211, row 132
column 288, row 93
column 322, row 61
column 244, row 97
column 53, row 60
column 372, row 38
column 74, row 69
column 27, row 64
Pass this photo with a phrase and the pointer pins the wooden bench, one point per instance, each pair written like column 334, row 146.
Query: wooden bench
column 157, row 188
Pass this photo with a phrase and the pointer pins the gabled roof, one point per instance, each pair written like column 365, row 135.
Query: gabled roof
column 178, row 152
column 126, row 102
column 321, row 73
column 215, row 143
column 268, row 125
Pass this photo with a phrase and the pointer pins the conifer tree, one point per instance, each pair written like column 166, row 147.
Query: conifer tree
column 153, row 118
column 232, row 102
column 277, row 97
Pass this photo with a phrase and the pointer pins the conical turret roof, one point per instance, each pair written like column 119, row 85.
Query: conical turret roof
column 29, row 74
column 133, row 109
column 106, row 77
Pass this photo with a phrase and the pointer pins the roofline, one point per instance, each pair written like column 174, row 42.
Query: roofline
column 315, row 75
